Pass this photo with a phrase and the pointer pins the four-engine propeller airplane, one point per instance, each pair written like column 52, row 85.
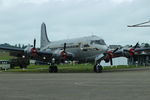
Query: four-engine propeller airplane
column 83, row 49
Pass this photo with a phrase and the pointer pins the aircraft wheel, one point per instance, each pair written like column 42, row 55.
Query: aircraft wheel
column 50, row 69
column 98, row 68
column 53, row 69
column 25, row 66
column 21, row 66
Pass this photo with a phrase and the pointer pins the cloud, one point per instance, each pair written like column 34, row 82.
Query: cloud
column 122, row 1
column 35, row 1
column 7, row 4
column 21, row 19
column 10, row 3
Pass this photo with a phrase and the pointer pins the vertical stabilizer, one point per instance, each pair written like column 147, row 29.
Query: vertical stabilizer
column 44, row 39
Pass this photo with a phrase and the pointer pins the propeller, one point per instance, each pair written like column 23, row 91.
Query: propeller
column 34, row 50
column 132, row 50
column 134, row 47
column 109, row 55
column 64, row 47
column 63, row 53
column 66, row 55
column 111, row 61
column 115, row 50
column 34, row 44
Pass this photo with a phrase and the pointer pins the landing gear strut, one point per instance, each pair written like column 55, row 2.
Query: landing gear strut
column 53, row 68
column 98, row 68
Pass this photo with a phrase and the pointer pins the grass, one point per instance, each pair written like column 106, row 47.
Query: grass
column 5, row 56
column 67, row 68
column 76, row 68
column 62, row 68
column 120, row 67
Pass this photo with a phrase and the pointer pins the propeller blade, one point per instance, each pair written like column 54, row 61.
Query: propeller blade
column 115, row 50
column 111, row 62
column 136, row 45
column 34, row 43
column 64, row 47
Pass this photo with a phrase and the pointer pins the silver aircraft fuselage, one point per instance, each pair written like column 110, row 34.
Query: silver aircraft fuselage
column 83, row 49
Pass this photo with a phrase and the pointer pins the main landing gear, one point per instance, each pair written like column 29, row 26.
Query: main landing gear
column 98, row 68
column 53, row 69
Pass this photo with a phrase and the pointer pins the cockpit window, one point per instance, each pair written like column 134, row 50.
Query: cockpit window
column 101, row 42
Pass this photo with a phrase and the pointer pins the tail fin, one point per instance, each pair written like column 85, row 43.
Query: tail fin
column 44, row 38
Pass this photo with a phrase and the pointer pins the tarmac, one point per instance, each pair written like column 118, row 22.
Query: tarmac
column 127, row 85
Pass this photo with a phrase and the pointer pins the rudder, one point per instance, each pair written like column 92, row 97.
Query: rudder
column 44, row 39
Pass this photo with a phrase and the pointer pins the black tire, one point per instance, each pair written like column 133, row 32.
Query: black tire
column 25, row 66
column 98, row 68
column 55, row 69
column 50, row 69
column 21, row 66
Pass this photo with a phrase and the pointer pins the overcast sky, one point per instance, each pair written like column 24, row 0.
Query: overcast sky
column 20, row 20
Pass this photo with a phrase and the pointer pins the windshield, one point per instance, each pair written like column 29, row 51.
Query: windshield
column 101, row 42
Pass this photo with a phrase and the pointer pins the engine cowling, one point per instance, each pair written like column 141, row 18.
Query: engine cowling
column 128, row 53
column 64, row 55
column 34, row 52
column 132, row 52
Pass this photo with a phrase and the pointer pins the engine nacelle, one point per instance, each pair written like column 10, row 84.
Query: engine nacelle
column 60, row 54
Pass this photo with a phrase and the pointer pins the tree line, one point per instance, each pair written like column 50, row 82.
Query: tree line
column 14, row 46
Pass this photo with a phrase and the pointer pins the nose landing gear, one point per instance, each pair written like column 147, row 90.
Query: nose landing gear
column 98, row 68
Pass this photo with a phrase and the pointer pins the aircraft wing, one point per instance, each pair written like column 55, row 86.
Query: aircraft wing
column 43, row 56
column 142, row 49
column 109, row 55
column 117, row 54
column 13, row 51
column 18, row 52
column 139, row 51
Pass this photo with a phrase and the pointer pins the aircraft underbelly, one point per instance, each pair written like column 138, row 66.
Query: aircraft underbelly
column 84, row 55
